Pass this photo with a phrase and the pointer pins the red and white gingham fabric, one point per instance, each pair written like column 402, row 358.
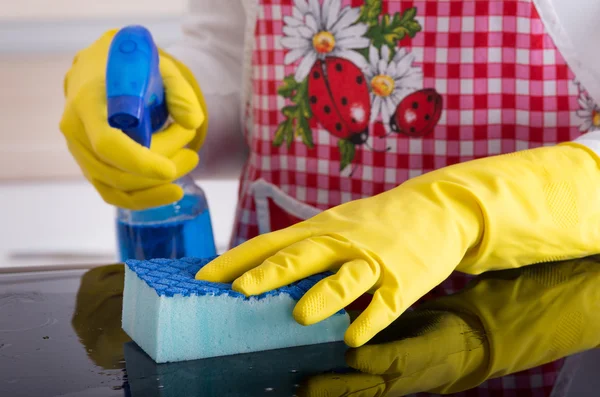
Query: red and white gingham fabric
column 504, row 85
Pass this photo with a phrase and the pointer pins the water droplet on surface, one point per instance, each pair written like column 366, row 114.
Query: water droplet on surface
column 269, row 389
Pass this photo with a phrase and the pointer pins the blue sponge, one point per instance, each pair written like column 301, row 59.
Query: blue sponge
column 174, row 317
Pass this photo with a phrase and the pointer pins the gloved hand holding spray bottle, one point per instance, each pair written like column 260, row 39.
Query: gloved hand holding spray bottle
column 137, row 106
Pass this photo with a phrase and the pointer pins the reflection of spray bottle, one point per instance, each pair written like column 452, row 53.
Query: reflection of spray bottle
column 136, row 105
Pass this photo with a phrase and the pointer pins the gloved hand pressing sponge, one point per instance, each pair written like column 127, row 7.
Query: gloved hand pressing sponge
column 125, row 173
column 498, row 212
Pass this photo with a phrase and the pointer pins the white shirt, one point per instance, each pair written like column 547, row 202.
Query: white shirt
column 214, row 49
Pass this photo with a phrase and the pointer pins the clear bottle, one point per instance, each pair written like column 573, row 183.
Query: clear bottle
column 136, row 105
column 181, row 229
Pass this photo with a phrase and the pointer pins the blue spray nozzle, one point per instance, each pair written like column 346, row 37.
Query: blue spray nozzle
column 134, row 87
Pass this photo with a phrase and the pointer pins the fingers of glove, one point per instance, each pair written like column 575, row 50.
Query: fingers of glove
column 431, row 380
column 335, row 292
column 70, row 124
column 405, row 356
column 113, row 146
column 445, row 342
column 101, row 284
column 101, row 278
column 141, row 199
column 171, row 140
column 185, row 161
column 334, row 385
column 182, row 101
column 399, row 291
column 384, row 308
column 249, row 255
column 293, row 263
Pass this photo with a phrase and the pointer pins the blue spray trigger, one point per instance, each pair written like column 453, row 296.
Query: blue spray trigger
column 134, row 87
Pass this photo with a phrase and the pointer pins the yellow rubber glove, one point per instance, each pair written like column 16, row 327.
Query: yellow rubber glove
column 125, row 173
column 502, row 323
column 498, row 212
column 97, row 317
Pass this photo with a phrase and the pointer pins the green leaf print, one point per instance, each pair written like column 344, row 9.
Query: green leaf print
column 280, row 132
column 303, row 131
column 391, row 30
column 288, row 87
column 369, row 13
column 347, row 152
column 297, row 114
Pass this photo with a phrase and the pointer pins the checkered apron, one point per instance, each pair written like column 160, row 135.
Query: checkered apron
column 348, row 100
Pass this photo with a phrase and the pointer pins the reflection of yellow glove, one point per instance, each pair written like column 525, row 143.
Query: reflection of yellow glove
column 497, row 212
column 124, row 172
column 502, row 323
column 97, row 317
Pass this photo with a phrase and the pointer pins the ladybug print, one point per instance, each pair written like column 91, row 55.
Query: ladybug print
column 350, row 73
column 339, row 99
column 418, row 113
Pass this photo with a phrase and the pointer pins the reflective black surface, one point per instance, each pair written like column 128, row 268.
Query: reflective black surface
column 40, row 352
column 60, row 335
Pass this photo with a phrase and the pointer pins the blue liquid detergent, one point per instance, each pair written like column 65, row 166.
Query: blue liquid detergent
column 136, row 105
column 173, row 231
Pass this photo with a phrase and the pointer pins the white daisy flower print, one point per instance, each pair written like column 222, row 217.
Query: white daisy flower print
column 589, row 114
column 316, row 31
column 390, row 80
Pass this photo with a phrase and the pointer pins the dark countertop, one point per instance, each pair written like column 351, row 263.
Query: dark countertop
column 60, row 335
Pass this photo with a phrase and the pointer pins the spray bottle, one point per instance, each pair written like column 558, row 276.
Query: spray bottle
column 137, row 106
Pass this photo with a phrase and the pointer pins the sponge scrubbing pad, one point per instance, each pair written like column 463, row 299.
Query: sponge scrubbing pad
column 174, row 317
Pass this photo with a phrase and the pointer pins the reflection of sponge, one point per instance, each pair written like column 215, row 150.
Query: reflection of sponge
column 273, row 373
column 174, row 317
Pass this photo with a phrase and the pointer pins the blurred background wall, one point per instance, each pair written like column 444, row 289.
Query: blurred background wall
column 38, row 39
column 48, row 213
